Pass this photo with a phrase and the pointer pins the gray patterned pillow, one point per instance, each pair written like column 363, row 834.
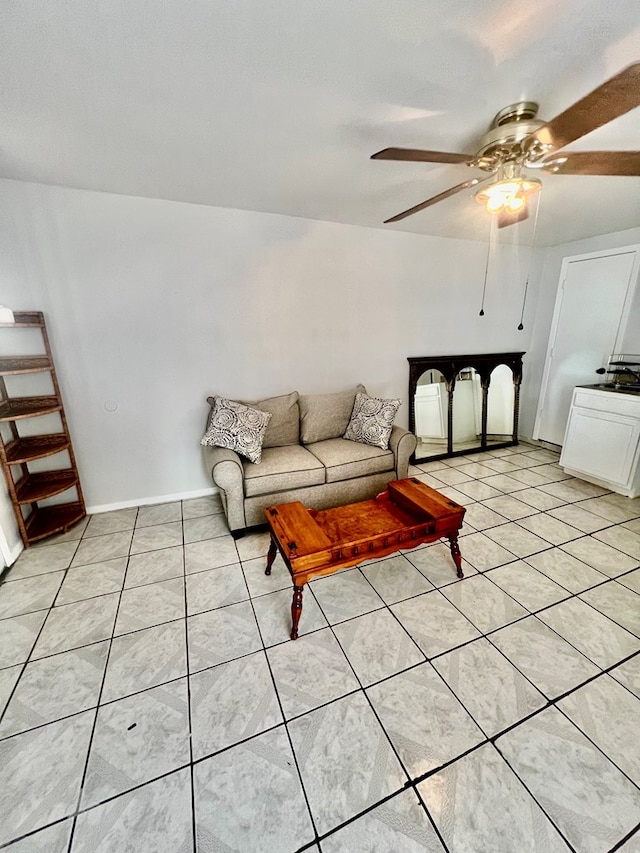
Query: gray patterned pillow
column 236, row 427
column 372, row 420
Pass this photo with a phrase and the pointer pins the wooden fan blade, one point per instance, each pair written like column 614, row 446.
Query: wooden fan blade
column 419, row 156
column 595, row 163
column 613, row 98
column 436, row 198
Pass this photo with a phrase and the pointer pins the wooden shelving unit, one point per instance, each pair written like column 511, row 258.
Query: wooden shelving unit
column 29, row 488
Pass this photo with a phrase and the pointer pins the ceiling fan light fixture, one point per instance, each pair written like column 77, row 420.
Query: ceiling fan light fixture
column 510, row 195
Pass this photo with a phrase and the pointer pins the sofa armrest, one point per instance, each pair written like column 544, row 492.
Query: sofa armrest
column 227, row 474
column 402, row 443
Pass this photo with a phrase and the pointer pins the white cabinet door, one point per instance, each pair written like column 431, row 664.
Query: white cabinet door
column 601, row 445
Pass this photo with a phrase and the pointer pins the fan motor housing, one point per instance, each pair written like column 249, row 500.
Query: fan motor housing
column 510, row 127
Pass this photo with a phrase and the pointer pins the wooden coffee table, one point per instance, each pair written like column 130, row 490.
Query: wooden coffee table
column 318, row 542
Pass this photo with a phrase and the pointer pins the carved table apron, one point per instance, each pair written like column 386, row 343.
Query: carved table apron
column 319, row 542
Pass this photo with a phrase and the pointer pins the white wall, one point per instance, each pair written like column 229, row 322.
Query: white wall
column 154, row 305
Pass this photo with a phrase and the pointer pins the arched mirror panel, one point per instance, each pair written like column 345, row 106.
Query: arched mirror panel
column 464, row 403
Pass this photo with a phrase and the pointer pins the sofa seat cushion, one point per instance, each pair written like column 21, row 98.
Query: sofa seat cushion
column 345, row 459
column 291, row 467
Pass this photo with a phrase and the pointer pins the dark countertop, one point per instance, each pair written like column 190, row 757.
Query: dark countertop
column 613, row 388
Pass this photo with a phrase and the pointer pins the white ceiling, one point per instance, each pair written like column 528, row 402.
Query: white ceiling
column 277, row 105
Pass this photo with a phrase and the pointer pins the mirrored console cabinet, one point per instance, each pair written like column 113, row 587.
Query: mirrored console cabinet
column 464, row 403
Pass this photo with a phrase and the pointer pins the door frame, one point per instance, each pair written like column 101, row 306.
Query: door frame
column 555, row 322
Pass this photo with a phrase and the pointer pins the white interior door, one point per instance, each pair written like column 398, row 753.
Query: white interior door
column 589, row 319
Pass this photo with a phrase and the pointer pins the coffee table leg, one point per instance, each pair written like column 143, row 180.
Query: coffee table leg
column 455, row 553
column 296, row 610
column 273, row 550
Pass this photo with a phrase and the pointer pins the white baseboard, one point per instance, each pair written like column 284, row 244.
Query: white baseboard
column 160, row 499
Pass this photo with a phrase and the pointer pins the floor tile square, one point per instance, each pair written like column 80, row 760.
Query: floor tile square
column 596, row 636
column 345, row 595
column 377, row 646
column 249, row 798
column 395, row 579
column 215, row 588
column 480, row 517
column 619, row 603
column 145, row 659
column 207, row 505
column 550, row 529
column 95, row 579
column 588, row 798
column 612, row 510
column 434, row 623
column 261, row 584
column 399, row 824
column 39, row 561
column 582, row 519
column 436, row 563
column 628, row 673
column 221, row 635
column 205, row 527
column 137, row 739
column 530, row 588
column 484, row 553
column 18, row 636
column 56, row 687
column 602, row 557
column 539, row 500
column 425, row 722
column 622, row 538
column 155, row 817
column 501, row 817
column 156, row 537
column 607, row 713
column 483, row 603
column 29, row 594
column 273, row 613
column 530, row 644
column 73, row 625
column 210, row 554
column 451, row 476
column 631, row 580
column 456, row 495
column 149, row 516
column 254, row 544
column 40, row 774
column 345, row 760
column 144, row 606
column 477, row 490
column 499, row 465
column 53, row 839
column 509, row 507
column 490, row 688
column 232, row 702
column 154, row 566
column 566, row 570
column 104, row 523
column 309, row 672
column 8, row 680
column 532, row 477
column 504, row 483
column 517, row 540
column 99, row 549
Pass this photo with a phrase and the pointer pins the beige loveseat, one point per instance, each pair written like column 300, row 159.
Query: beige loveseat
column 305, row 458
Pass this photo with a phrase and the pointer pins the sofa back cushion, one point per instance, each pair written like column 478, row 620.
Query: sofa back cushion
column 284, row 425
column 324, row 416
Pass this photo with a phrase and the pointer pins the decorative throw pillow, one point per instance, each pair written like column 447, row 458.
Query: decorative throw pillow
column 236, row 427
column 372, row 420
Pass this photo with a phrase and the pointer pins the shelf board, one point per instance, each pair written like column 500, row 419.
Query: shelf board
column 28, row 407
column 44, row 484
column 45, row 521
column 36, row 447
column 24, row 364
column 22, row 319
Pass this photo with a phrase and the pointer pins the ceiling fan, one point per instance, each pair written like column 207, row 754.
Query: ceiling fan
column 518, row 140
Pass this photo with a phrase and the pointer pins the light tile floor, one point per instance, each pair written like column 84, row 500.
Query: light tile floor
column 151, row 699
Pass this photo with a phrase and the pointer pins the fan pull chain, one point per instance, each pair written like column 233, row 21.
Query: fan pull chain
column 526, row 284
column 486, row 266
